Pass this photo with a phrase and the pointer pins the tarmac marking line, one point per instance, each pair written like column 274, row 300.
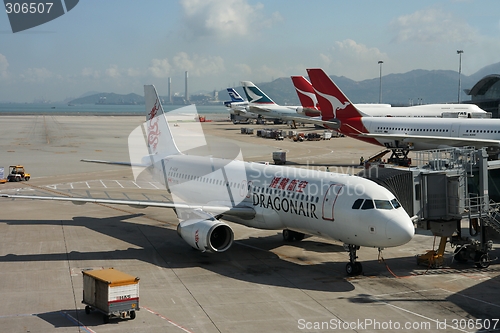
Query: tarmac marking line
column 119, row 183
column 103, row 184
column 475, row 299
column 164, row 318
column 422, row 316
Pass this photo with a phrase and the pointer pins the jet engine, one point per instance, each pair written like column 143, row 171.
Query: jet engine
column 308, row 111
column 209, row 235
column 300, row 110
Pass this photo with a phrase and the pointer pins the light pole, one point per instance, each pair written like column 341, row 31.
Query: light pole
column 459, row 52
column 380, row 86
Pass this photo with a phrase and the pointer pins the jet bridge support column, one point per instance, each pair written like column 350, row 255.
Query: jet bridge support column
column 476, row 248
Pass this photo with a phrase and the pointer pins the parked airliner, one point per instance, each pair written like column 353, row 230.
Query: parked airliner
column 262, row 104
column 238, row 107
column 308, row 99
column 350, row 209
column 402, row 132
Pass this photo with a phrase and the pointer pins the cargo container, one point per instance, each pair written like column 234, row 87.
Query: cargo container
column 111, row 292
column 279, row 157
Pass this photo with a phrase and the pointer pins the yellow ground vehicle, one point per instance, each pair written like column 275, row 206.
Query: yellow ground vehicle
column 17, row 174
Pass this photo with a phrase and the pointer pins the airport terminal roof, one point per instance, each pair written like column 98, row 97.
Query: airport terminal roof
column 483, row 85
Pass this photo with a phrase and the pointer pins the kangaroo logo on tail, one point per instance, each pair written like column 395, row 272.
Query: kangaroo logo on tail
column 336, row 104
column 305, row 92
column 312, row 96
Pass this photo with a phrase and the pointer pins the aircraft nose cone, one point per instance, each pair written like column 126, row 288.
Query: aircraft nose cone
column 399, row 231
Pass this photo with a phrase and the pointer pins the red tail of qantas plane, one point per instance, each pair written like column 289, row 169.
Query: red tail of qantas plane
column 336, row 106
column 305, row 92
column 307, row 97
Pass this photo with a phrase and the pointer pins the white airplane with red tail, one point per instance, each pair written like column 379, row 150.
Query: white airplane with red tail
column 403, row 133
column 207, row 190
column 309, row 101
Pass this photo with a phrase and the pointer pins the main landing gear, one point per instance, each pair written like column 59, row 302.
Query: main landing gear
column 353, row 267
column 290, row 236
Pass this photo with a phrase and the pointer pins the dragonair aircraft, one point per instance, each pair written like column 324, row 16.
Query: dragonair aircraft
column 402, row 132
column 205, row 190
column 260, row 103
column 309, row 101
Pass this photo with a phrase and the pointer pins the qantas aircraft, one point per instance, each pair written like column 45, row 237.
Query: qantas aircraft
column 309, row 100
column 350, row 209
column 402, row 132
column 260, row 103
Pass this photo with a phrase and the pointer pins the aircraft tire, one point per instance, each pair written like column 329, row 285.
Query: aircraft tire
column 482, row 260
column 287, row 235
column 353, row 269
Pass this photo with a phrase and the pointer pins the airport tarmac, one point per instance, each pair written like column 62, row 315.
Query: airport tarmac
column 261, row 284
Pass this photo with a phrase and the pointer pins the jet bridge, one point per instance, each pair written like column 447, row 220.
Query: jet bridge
column 444, row 188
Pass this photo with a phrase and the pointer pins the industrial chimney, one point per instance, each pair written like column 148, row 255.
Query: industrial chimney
column 169, row 91
column 186, row 96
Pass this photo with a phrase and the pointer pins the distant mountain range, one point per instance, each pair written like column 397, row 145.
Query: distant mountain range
column 436, row 86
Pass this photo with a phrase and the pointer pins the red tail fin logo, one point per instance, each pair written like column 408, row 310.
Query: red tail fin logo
column 153, row 130
column 305, row 92
column 334, row 102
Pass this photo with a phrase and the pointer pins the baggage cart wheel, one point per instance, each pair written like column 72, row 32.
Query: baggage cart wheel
column 132, row 314
column 87, row 309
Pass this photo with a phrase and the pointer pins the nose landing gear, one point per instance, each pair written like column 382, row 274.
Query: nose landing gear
column 353, row 267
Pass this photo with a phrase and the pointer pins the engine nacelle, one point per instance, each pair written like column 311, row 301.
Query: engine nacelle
column 206, row 235
column 308, row 111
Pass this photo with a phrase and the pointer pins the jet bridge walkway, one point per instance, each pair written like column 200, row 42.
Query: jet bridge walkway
column 447, row 187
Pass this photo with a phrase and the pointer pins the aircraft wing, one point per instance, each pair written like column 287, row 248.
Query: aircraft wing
column 310, row 120
column 241, row 212
column 440, row 140
column 296, row 117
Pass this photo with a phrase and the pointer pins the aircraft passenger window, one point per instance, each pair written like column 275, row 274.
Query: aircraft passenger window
column 395, row 203
column 357, row 204
column 368, row 204
column 317, row 199
column 383, row 204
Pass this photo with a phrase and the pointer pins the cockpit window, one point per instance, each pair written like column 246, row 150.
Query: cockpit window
column 357, row 204
column 368, row 204
column 395, row 203
column 383, row 204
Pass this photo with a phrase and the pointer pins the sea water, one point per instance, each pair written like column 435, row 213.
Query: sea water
column 96, row 109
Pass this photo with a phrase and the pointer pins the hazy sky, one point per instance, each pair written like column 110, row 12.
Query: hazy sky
column 120, row 45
